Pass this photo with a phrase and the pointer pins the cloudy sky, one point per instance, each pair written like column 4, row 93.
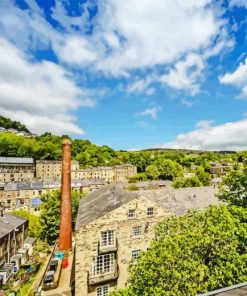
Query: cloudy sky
column 127, row 73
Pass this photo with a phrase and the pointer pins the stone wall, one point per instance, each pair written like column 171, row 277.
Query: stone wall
column 87, row 241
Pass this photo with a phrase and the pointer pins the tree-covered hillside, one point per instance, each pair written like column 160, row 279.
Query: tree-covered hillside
column 151, row 164
column 7, row 123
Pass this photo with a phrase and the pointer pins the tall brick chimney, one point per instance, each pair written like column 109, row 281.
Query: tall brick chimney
column 65, row 231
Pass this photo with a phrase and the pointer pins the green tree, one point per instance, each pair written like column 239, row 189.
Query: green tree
column 50, row 214
column 138, row 177
column 203, row 177
column 187, row 182
column 198, row 252
column 152, row 172
column 233, row 188
column 168, row 169
column 34, row 228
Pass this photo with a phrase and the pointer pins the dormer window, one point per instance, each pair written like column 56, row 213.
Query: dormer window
column 132, row 214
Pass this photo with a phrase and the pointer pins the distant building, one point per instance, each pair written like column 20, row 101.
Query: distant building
column 51, row 170
column 124, row 171
column 16, row 169
column 26, row 195
column 114, row 225
column 13, row 233
column 218, row 169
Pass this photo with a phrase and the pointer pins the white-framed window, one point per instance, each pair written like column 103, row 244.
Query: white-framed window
column 103, row 264
column 102, row 290
column 107, row 238
column 132, row 213
column 135, row 253
column 137, row 230
column 150, row 212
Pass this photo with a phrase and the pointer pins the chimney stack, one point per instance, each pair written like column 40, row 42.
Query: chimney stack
column 65, row 231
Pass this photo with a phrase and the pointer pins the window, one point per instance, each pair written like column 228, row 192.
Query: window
column 132, row 214
column 137, row 230
column 102, row 290
column 150, row 211
column 103, row 264
column 135, row 254
column 107, row 238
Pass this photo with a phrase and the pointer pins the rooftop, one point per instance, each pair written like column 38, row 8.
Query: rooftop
column 16, row 160
column 236, row 290
column 110, row 197
column 9, row 222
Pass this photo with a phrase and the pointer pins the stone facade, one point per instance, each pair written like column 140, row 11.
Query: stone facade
column 15, row 169
column 51, row 170
column 88, row 244
column 114, row 224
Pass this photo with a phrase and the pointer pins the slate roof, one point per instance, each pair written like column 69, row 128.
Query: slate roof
column 112, row 196
column 9, row 222
column 16, row 160
column 236, row 290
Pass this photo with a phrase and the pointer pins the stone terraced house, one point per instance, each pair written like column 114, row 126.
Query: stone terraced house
column 115, row 224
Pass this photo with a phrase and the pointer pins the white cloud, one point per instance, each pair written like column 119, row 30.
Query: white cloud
column 127, row 35
column 155, row 32
column 150, row 112
column 237, row 78
column 228, row 136
column 76, row 50
column 42, row 95
column 185, row 74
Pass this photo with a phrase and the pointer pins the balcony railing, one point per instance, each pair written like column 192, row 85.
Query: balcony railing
column 105, row 276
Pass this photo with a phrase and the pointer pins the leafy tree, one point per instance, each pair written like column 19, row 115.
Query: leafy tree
column 203, row 177
column 50, row 214
column 192, row 182
column 152, row 172
column 233, row 188
column 168, row 169
column 34, row 228
column 187, row 182
column 138, row 177
column 198, row 252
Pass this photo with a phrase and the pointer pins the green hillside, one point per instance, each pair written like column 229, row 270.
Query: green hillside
column 8, row 123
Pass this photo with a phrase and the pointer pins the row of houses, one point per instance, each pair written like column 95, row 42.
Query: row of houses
column 26, row 195
column 15, row 245
column 15, row 169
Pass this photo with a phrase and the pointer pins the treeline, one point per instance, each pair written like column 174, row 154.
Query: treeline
column 7, row 123
column 151, row 164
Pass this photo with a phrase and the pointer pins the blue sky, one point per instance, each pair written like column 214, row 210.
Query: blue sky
column 129, row 74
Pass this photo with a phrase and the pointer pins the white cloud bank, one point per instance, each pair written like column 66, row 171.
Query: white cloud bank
column 41, row 95
column 127, row 36
column 228, row 136
column 176, row 35
column 237, row 78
